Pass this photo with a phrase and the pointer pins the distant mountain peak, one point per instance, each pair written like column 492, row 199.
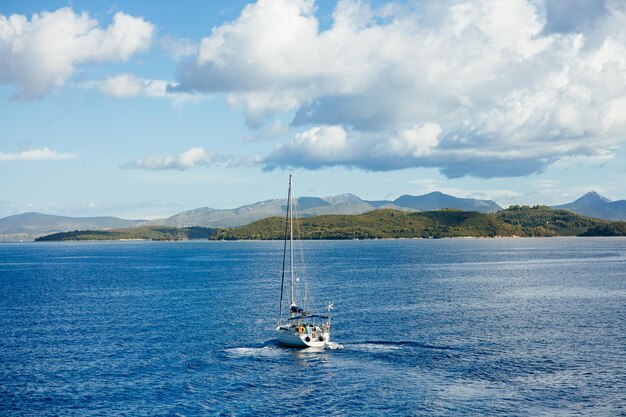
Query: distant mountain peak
column 346, row 195
column 592, row 195
column 342, row 198
column 593, row 204
column 430, row 194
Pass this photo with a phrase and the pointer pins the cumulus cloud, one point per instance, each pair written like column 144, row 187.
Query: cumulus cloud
column 333, row 145
column 509, row 87
column 40, row 54
column 43, row 154
column 193, row 157
column 183, row 161
column 128, row 85
column 415, row 142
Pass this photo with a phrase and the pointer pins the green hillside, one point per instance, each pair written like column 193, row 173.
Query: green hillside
column 545, row 221
column 610, row 229
column 380, row 224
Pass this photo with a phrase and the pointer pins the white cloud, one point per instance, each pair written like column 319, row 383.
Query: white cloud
column 324, row 143
column 191, row 158
column 183, row 161
column 333, row 145
column 43, row 154
column 130, row 86
column 314, row 148
column 416, row 142
column 510, row 90
column 127, row 85
column 38, row 56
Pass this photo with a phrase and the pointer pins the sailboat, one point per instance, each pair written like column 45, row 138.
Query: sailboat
column 301, row 328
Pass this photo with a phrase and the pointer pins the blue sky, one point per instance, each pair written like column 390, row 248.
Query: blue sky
column 144, row 109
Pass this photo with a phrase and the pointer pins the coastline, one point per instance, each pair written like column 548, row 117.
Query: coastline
column 307, row 240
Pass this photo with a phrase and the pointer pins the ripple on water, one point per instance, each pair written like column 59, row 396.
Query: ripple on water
column 447, row 327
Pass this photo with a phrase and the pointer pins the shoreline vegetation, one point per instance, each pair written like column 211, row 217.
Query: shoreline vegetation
column 134, row 233
column 515, row 221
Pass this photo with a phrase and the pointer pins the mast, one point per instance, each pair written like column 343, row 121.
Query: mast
column 290, row 209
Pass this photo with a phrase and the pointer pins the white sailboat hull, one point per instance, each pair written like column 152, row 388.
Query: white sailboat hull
column 292, row 339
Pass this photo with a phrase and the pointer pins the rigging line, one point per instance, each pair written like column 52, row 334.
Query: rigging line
column 303, row 274
column 308, row 300
column 298, row 242
column 282, row 279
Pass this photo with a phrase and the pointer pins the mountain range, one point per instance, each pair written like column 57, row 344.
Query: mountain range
column 27, row 226
column 315, row 206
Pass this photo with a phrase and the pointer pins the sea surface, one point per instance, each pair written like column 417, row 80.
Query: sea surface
column 428, row 327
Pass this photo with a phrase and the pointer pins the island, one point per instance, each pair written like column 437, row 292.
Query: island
column 134, row 233
column 515, row 221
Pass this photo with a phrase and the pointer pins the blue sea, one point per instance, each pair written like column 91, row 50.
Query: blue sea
column 428, row 327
